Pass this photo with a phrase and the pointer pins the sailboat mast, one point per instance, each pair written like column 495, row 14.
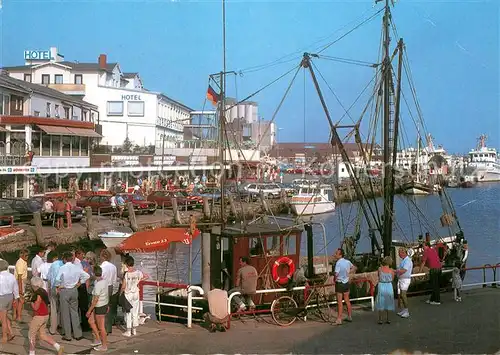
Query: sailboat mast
column 222, row 119
column 387, row 222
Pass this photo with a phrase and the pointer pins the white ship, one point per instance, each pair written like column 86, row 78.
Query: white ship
column 485, row 162
column 313, row 200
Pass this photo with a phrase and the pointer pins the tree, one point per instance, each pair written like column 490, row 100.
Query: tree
column 127, row 145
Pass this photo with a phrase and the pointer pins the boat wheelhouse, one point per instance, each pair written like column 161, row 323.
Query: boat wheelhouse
column 313, row 199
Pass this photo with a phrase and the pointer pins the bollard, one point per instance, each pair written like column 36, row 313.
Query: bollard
column 90, row 224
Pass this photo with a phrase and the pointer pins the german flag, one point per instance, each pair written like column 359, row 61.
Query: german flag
column 212, row 96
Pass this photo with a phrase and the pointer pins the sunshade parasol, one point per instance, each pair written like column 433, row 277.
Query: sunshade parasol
column 156, row 239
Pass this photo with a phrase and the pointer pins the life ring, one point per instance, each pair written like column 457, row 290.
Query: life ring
column 441, row 249
column 283, row 280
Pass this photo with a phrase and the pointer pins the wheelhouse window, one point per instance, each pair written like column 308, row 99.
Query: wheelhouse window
column 45, row 79
column 256, row 247
column 27, row 77
column 135, row 108
column 289, row 244
column 58, row 79
column 115, row 108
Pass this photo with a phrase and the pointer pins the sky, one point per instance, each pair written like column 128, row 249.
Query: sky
column 452, row 47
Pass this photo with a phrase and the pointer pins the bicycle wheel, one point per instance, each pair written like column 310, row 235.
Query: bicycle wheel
column 284, row 311
column 325, row 307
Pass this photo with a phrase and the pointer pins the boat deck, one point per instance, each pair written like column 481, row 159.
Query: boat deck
column 471, row 326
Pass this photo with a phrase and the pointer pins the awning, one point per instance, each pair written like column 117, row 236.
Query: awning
column 56, row 130
column 85, row 132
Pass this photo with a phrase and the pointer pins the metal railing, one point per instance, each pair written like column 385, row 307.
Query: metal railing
column 157, row 303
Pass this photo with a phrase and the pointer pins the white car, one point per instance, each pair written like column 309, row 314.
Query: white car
column 270, row 190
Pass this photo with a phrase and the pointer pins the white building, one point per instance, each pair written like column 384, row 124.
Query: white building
column 126, row 109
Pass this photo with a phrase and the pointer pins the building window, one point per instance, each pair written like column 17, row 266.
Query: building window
column 58, row 79
column 56, row 146
column 27, row 77
column 56, row 111
column 115, row 108
column 45, row 79
column 36, row 113
column 78, row 79
column 35, row 143
column 75, row 146
column 47, row 110
column 66, row 112
column 45, row 145
column 84, row 143
column 135, row 108
column 66, row 146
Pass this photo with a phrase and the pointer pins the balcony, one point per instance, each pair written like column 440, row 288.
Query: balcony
column 69, row 89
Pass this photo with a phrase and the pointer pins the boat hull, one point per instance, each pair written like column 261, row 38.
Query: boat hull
column 488, row 176
column 113, row 239
column 415, row 191
column 302, row 209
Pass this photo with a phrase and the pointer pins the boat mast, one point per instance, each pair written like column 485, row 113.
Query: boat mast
column 417, row 171
column 387, row 138
column 222, row 119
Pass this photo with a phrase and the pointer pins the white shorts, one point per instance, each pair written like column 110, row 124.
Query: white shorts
column 403, row 285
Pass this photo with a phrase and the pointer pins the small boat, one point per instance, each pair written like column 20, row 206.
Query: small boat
column 417, row 188
column 313, row 200
column 115, row 237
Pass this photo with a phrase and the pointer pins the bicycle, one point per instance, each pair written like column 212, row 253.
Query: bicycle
column 285, row 310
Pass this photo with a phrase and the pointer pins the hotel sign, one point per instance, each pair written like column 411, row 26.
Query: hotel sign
column 131, row 97
column 38, row 55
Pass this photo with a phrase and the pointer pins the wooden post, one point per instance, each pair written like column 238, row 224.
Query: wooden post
column 90, row 224
column 205, row 262
column 177, row 216
column 37, row 220
column 206, row 207
column 263, row 201
column 231, row 205
column 131, row 217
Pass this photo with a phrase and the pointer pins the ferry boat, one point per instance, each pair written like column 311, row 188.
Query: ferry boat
column 485, row 162
column 313, row 200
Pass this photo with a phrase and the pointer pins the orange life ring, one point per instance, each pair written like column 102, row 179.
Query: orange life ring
column 441, row 246
column 283, row 280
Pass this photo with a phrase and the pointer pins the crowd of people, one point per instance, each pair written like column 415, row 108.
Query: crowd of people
column 71, row 292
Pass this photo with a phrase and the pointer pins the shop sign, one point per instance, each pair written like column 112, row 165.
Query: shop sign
column 18, row 169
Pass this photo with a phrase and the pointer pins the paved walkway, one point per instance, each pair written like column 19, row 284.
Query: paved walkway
column 472, row 326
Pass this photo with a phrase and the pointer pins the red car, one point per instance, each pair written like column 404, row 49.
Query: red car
column 98, row 203
column 164, row 199
column 141, row 205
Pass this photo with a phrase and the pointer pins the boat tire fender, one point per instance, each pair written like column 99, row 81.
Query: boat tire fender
column 283, row 280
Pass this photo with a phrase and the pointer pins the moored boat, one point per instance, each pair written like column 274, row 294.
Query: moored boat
column 313, row 199
column 115, row 237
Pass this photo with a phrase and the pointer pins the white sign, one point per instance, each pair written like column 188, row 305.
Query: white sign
column 37, row 55
column 131, row 97
column 18, row 169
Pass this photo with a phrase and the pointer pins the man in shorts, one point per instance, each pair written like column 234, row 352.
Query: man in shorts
column 21, row 274
column 404, row 278
column 9, row 292
column 343, row 268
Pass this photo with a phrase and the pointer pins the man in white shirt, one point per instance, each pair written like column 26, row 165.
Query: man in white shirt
column 43, row 271
column 68, row 278
column 343, row 268
column 37, row 262
column 110, row 274
column 9, row 291
column 404, row 278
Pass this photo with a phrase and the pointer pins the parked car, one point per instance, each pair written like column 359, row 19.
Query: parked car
column 164, row 199
column 192, row 196
column 270, row 190
column 6, row 213
column 76, row 211
column 98, row 203
column 141, row 205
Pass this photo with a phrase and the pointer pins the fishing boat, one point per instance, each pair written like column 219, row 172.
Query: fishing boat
column 416, row 186
column 313, row 199
column 273, row 243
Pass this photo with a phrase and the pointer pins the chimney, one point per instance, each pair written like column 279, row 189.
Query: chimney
column 102, row 61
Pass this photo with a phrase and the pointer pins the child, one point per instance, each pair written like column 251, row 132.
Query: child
column 456, row 281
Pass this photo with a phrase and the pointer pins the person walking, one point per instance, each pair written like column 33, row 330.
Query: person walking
column 67, row 213
column 343, row 268
column 98, row 310
column 130, row 288
column 9, row 292
column 69, row 277
column 38, row 325
column 404, row 279
column 431, row 260
column 385, row 292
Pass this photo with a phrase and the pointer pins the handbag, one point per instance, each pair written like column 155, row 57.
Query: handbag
column 124, row 303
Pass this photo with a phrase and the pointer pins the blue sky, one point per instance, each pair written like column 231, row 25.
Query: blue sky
column 453, row 49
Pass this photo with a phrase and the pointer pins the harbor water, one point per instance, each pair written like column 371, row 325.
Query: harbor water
column 477, row 208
